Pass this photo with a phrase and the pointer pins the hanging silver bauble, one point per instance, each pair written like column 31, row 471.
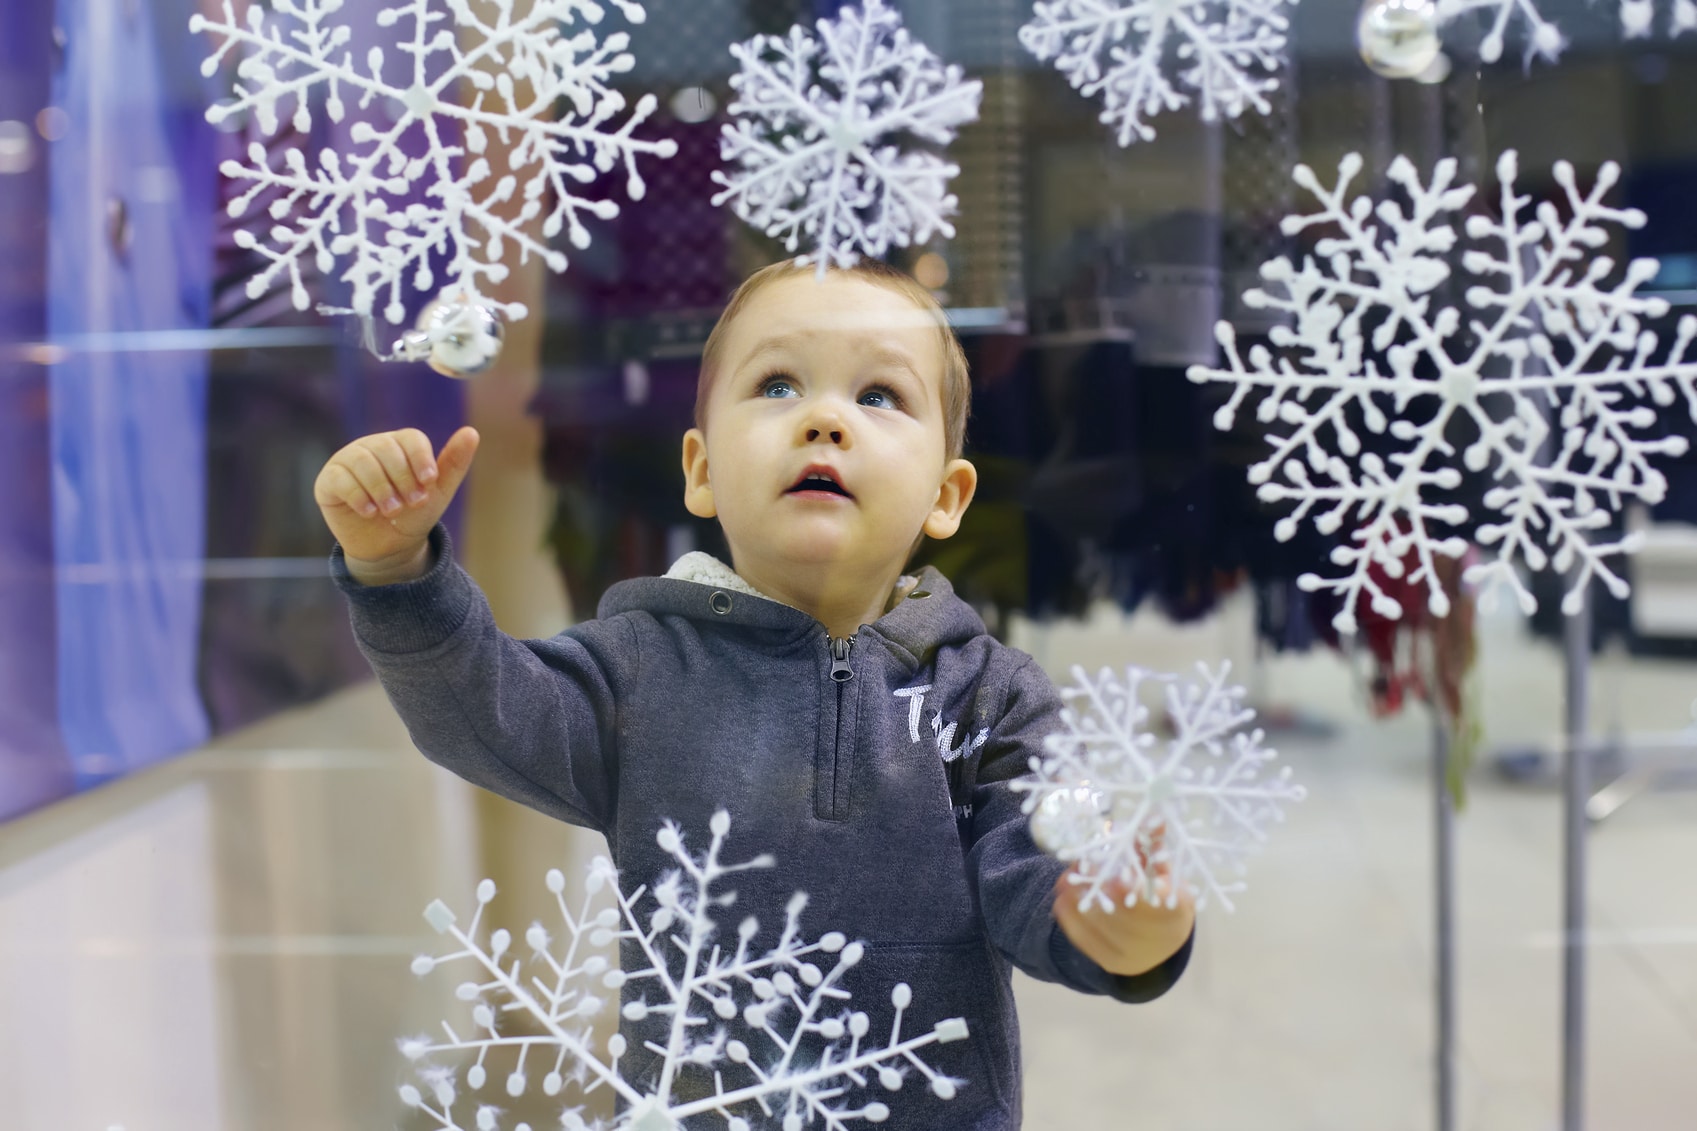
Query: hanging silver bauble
column 1437, row 72
column 456, row 337
column 1398, row 38
column 1068, row 821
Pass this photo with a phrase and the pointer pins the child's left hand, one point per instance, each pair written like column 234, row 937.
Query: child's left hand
column 1126, row 940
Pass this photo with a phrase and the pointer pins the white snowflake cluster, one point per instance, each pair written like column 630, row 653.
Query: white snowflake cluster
column 477, row 69
column 1226, row 51
column 771, row 1021
column 1637, row 20
column 1549, row 363
column 1155, row 819
column 821, row 143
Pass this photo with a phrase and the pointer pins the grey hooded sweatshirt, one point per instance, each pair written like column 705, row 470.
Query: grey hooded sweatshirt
column 875, row 769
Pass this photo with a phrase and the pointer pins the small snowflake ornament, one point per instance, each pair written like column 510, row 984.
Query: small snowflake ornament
column 1131, row 809
column 772, row 1027
column 821, row 148
column 1225, row 52
column 1548, row 359
column 1544, row 38
column 416, row 184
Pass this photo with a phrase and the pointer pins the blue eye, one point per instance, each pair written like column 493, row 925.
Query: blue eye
column 776, row 387
column 880, row 398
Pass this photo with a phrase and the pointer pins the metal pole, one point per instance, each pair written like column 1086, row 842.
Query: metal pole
column 1577, row 789
column 1443, row 810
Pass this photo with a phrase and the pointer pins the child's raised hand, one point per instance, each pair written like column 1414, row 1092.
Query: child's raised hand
column 1128, row 940
column 382, row 494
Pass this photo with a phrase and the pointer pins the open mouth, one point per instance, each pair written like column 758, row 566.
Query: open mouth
column 818, row 480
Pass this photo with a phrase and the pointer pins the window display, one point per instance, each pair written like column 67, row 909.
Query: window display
column 1245, row 353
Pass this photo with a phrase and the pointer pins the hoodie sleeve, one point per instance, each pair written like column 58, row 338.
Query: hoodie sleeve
column 1016, row 879
column 532, row 720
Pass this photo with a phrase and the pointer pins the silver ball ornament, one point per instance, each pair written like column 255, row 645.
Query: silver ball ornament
column 1398, row 38
column 1066, row 822
column 456, row 337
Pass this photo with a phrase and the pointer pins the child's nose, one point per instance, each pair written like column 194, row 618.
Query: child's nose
column 825, row 423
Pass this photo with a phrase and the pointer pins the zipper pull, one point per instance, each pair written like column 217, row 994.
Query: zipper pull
column 840, row 670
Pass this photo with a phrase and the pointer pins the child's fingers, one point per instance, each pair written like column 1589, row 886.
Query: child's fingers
column 421, row 460
column 1151, row 849
column 1114, row 888
column 389, row 472
column 1086, row 931
column 390, row 448
column 366, row 467
column 336, row 485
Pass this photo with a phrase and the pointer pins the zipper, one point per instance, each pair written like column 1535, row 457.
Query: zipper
column 831, row 799
column 840, row 648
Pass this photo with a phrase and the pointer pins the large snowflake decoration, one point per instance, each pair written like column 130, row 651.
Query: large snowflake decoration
column 768, row 1025
column 386, row 210
column 1549, row 362
column 1226, row 51
column 820, row 148
column 1637, row 20
column 1155, row 819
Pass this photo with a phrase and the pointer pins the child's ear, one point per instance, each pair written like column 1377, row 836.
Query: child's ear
column 698, row 488
column 954, row 495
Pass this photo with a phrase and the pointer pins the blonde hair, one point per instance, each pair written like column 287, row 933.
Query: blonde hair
column 956, row 387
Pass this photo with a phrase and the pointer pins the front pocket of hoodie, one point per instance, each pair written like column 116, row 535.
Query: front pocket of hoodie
column 947, row 981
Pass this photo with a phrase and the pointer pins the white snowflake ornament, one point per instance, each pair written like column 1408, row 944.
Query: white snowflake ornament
column 821, row 148
column 772, row 1027
column 1544, row 38
column 416, row 186
column 1156, row 819
column 1548, row 359
column 1225, row 52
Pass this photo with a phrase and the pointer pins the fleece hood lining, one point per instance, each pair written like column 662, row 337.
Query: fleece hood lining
column 703, row 568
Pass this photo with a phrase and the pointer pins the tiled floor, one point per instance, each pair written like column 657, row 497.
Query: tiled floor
column 224, row 943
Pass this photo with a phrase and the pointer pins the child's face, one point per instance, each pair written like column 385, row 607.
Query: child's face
column 840, row 377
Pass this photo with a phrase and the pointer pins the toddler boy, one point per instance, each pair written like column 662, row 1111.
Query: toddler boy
column 859, row 725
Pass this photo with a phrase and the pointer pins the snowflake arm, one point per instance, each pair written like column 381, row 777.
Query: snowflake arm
column 1544, row 38
column 362, row 208
column 1637, row 18
column 1106, row 796
column 795, row 1056
column 563, row 1010
column 1551, row 353
column 814, row 152
column 1584, row 350
column 1230, row 51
